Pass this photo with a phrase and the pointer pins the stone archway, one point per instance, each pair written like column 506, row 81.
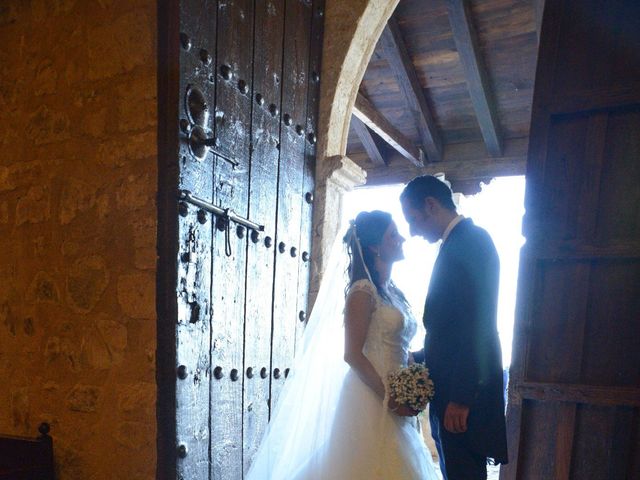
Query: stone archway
column 351, row 32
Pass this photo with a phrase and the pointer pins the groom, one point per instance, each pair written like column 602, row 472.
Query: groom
column 461, row 348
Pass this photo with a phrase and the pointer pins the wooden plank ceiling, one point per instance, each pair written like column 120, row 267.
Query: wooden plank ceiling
column 448, row 89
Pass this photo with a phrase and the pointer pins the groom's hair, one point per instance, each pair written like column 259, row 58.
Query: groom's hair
column 427, row 186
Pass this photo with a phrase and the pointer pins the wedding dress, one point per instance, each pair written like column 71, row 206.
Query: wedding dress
column 328, row 424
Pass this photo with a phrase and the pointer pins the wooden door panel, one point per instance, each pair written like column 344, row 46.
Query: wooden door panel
column 228, row 73
column 290, row 183
column 263, row 186
column 192, row 290
column 313, row 97
column 620, row 173
column 574, row 392
column 611, row 340
column 601, row 429
column 556, row 327
column 539, row 442
column 231, row 185
column 599, row 42
column 563, row 175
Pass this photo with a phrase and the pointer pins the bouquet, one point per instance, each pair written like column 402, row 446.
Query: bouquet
column 411, row 386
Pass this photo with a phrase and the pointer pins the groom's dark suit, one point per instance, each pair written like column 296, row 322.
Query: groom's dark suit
column 462, row 349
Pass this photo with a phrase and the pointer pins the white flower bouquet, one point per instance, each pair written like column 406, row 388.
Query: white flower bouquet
column 411, row 386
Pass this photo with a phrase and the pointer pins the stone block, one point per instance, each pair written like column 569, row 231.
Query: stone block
column 8, row 13
column 43, row 289
column 137, row 401
column 136, row 295
column 84, row 398
column 77, row 197
column 119, row 47
column 44, row 9
column 47, row 125
column 45, row 78
column 20, row 409
column 136, row 191
column 105, row 343
column 34, row 207
column 135, row 435
column 125, row 151
column 86, row 282
column 4, row 212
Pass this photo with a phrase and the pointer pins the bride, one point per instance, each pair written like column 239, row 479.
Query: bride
column 334, row 418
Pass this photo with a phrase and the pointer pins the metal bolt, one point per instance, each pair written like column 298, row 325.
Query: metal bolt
column 273, row 109
column 308, row 197
column 217, row 373
column 249, row 372
column 315, row 76
column 240, row 231
column 225, row 71
column 182, row 372
column 286, row 372
column 205, row 57
column 202, row 217
column 312, row 138
column 255, row 236
column 282, row 247
column 234, row 374
column 183, row 209
column 276, row 373
column 293, row 252
column 299, row 130
column 243, row 87
column 185, row 41
column 185, row 126
column 263, row 372
column 302, row 316
column 259, row 99
column 305, row 256
column 286, row 118
column 182, row 451
column 268, row 242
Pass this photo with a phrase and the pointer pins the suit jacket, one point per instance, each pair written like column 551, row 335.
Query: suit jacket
column 462, row 348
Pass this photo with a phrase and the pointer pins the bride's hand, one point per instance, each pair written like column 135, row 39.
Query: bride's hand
column 401, row 410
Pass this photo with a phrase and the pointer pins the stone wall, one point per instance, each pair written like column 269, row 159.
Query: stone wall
column 78, row 179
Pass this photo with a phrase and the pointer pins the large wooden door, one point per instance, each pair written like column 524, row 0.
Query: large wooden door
column 574, row 395
column 238, row 94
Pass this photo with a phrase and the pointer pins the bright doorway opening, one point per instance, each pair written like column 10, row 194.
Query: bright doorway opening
column 498, row 208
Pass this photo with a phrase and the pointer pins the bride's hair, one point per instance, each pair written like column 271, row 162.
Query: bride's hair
column 368, row 229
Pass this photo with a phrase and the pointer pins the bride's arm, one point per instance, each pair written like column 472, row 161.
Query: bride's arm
column 358, row 311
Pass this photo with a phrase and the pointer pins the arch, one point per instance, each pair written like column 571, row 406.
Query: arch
column 351, row 32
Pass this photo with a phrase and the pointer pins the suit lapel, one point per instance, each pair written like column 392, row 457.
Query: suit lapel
column 441, row 261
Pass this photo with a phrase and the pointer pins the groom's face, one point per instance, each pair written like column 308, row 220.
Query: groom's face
column 421, row 221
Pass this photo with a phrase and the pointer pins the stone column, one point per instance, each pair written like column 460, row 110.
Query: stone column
column 334, row 177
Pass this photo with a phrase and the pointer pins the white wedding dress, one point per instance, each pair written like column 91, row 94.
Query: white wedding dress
column 363, row 438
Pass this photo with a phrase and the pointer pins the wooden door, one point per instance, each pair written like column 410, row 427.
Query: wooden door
column 574, row 395
column 238, row 95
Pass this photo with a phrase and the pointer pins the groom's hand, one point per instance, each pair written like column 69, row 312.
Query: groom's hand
column 455, row 417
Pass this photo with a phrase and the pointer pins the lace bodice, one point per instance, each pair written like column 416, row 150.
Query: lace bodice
column 391, row 329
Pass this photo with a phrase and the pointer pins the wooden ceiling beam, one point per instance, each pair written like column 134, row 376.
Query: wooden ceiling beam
column 372, row 118
column 456, row 170
column 365, row 136
column 397, row 55
column 465, row 36
column 460, row 163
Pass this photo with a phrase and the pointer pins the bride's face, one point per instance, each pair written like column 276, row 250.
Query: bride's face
column 390, row 248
